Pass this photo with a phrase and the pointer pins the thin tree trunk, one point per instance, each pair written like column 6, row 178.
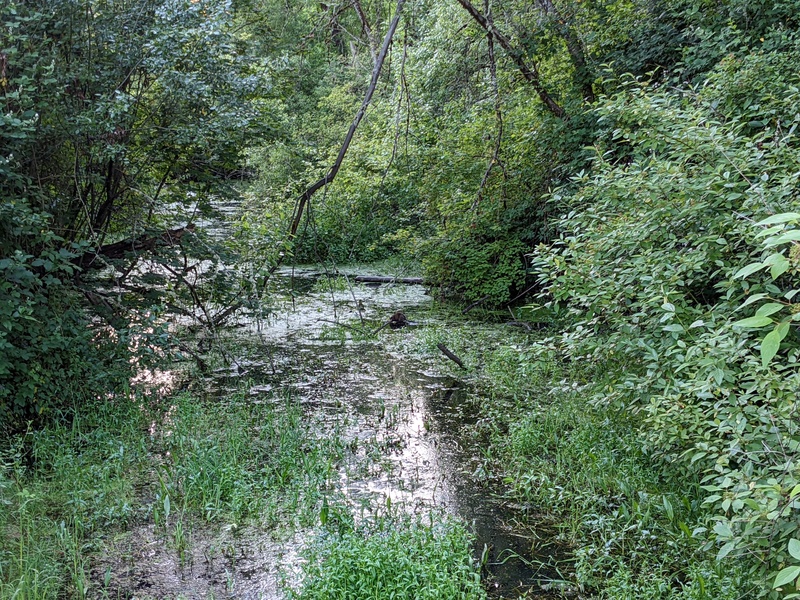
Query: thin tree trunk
column 583, row 75
column 331, row 174
column 529, row 72
column 373, row 44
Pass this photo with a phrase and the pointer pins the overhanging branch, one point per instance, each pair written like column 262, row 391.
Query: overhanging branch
column 529, row 71
column 331, row 174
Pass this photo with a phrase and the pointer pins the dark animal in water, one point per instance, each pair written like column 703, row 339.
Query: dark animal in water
column 398, row 320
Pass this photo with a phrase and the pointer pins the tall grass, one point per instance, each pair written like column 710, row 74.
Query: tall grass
column 58, row 486
column 235, row 459
column 118, row 463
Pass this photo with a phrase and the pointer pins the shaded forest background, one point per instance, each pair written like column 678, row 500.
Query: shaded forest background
column 628, row 169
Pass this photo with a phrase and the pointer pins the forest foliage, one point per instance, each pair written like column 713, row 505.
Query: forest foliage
column 629, row 167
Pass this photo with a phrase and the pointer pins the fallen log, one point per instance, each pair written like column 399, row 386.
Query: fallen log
column 379, row 279
column 137, row 245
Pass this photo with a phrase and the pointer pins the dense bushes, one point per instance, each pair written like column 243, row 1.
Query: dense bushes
column 654, row 272
column 119, row 120
column 52, row 355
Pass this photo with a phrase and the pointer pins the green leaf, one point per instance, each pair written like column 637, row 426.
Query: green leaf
column 749, row 270
column 779, row 268
column 794, row 548
column 722, row 530
column 789, row 236
column 753, row 322
column 780, row 218
column 769, row 309
column 770, row 231
column 785, row 576
column 166, row 508
column 725, row 550
column 675, row 328
column 769, row 346
column 751, row 299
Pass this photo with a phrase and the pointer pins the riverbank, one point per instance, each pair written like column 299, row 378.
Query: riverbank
column 633, row 527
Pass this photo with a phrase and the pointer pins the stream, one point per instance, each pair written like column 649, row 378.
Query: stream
column 376, row 392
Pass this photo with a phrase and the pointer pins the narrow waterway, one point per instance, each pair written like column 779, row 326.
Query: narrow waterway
column 385, row 391
column 401, row 410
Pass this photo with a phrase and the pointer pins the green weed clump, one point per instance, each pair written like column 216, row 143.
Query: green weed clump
column 634, row 533
column 634, row 528
column 59, row 486
column 400, row 558
column 236, row 459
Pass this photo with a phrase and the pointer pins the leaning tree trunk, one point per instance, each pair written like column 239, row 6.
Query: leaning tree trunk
column 331, row 174
column 529, row 71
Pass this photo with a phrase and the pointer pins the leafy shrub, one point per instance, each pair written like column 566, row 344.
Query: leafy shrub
column 51, row 354
column 475, row 268
column 651, row 269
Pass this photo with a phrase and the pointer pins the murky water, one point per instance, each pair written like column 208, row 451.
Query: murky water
column 378, row 395
column 397, row 401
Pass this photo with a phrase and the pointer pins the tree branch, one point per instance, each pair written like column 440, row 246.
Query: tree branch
column 498, row 113
column 137, row 245
column 373, row 44
column 331, row 174
column 529, row 72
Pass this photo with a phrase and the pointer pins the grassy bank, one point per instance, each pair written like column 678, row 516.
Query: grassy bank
column 88, row 498
column 185, row 463
column 632, row 523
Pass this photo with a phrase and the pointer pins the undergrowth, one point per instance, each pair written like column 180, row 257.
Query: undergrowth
column 117, row 464
column 412, row 558
column 634, row 526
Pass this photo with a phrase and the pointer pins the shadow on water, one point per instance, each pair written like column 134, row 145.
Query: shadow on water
column 406, row 427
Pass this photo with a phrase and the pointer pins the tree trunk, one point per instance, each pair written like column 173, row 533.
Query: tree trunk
column 529, row 72
column 331, row 174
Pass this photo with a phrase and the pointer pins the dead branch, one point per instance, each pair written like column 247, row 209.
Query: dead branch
column 474, row 304
column 379, row 279
column 373, row 43
column 131, row 246
column 529, row 71
column 450, row 355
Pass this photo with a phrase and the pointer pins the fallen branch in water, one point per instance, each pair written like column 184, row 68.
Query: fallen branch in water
column 134, row 246
column 523, row 324
column 474, row 304
column 450, row 355
column 380, row 279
